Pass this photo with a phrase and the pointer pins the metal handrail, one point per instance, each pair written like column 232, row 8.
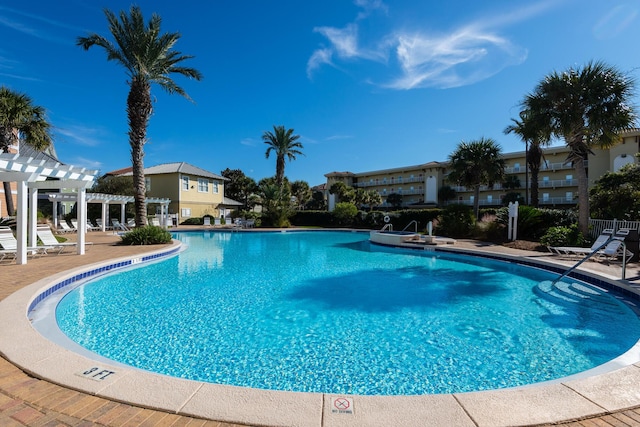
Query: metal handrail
column 412, row 222
column 609, row 240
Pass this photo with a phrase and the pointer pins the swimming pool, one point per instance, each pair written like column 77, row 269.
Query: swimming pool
column 326, row 312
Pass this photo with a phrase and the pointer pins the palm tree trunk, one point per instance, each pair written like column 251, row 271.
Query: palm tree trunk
column 8, row 197
column 535, row 200
column 583, row 195
column 280, row 169
column 139, row 110
column 476, row 202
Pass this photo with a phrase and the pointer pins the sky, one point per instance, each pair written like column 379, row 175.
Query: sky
column 366, row 84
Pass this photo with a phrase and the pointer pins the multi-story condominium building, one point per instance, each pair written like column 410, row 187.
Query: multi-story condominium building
column 557, row 182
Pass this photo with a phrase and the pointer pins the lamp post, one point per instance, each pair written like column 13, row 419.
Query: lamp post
column 526, row 172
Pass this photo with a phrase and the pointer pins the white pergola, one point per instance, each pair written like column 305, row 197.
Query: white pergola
column 105, row 200
column 31, row 176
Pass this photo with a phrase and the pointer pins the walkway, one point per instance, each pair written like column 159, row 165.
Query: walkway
column 28, row 401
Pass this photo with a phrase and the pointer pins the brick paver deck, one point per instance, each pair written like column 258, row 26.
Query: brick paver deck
column 28, row 401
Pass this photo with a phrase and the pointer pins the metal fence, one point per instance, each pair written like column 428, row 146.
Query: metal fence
column 597, row 225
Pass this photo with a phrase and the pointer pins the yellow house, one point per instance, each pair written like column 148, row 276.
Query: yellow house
column 557, row 181
column 194, row 192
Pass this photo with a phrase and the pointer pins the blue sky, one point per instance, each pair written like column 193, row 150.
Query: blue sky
column 366, row 84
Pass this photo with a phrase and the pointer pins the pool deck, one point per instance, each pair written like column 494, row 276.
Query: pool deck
column 609, row 399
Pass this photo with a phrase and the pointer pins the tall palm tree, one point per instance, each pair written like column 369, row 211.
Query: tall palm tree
column 284, row 144
column 476, row 163
column 534, row 139
column 586, row 107
column 20, row 119
column 148, row 57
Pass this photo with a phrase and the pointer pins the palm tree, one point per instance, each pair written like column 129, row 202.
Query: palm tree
column 284, row 144
column 586, row 108
column 534, row 139
column 148, row 57
column 476, row 163
column 302, row 192
column 20, row 119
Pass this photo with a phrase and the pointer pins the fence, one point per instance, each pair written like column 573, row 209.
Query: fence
column 597, row 225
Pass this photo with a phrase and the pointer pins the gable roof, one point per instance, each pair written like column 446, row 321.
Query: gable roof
column 177, row 167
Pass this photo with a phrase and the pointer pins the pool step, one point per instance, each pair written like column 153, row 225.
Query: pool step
column 572, row 293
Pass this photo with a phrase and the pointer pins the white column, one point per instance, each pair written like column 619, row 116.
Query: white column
column 33, row 216
column 123, row 220
column 21, row 226
column 81, row 203
column 104, row 216
column 55, row 214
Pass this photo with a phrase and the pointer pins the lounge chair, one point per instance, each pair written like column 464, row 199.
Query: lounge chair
column 64, row 227
column 614, row 249
column 576, row 250
column 206, row 221
column 155, row 221
column 49, row 240
column 91, row 227
column 99, row 224
column 217, row 221
column 117, row 225
column 9, row 245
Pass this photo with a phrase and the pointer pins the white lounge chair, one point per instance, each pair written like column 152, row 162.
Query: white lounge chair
column 207, row 221
column 64, row 227
column 49, row 240
column 9, row 244
column 576, row 250
column 155, row 221
column 117, row 225
column 614, row 249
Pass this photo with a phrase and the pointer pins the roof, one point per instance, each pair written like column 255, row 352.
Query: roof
column 122, row 171
column 48, row 154
column 230, row 202
column 178, row 167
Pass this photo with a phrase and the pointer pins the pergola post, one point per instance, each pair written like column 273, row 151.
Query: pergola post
column 21, row 223
column 82, row 220
column 123, row 211
column 104, row 216
column 33, row 216
column 55, row 214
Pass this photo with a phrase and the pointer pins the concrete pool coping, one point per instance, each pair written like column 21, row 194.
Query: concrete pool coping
column 538, row 404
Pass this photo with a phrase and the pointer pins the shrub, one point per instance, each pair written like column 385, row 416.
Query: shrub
column 345, row 212
column 563, row 236
column 147, row 235
column 193, row 221
column 456, row 221
column 531, row 223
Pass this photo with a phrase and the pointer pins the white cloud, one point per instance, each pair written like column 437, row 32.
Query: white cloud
column 249, row 142
column 462, row 56
column 87, row 163
column 80, row 135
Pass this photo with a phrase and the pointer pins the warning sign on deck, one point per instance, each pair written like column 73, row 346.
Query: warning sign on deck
column 342, row 405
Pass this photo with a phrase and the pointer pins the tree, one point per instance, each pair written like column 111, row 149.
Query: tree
column 586, row 107
column 240, row 187
column 476, row 163
column 617, row 194
column 317, row 201
column 446, row 193
column 395, row 200
column 20, row 120
column 276, row 202
column 302, row 192
column 533, row 136
column 148, row 57
column 343, row 191
column 285, row 145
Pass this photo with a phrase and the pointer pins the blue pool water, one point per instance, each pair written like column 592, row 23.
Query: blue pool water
column 329, row 312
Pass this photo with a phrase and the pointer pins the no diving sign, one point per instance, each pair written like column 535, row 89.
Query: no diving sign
column 342, row 405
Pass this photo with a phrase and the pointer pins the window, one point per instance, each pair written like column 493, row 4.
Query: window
column 489, row 198
column 215, row 187
column 185, row 212
column 203, row 185
column 516, row 167
column 384, row 191
column 568, row 196
column 147, row 183
column 384, row 180
column 545, row 197
column 185, row 182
